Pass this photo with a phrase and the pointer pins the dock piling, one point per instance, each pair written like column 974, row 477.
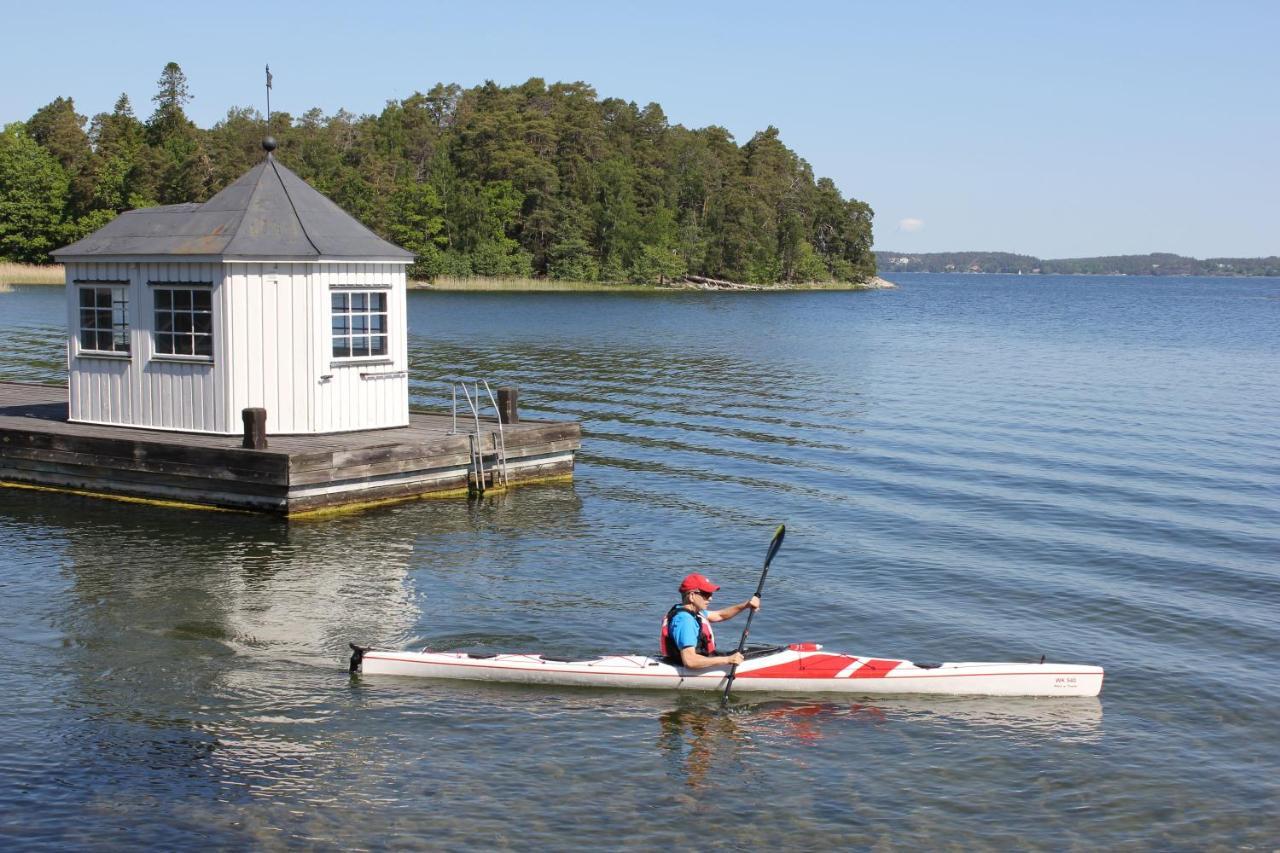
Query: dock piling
column 508, row 399
column 255, row 429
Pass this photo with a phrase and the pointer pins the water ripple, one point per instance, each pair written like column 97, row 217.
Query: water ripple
column 969, row 468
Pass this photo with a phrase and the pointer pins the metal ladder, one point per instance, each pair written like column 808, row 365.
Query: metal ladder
column 498, row 471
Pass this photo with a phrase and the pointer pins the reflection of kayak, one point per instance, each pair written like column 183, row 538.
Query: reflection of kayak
column 798, row 668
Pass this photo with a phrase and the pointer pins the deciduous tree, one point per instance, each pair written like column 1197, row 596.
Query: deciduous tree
column 33, row 198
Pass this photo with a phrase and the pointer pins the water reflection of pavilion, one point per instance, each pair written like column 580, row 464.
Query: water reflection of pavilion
column 211, row 648
column 204, row 650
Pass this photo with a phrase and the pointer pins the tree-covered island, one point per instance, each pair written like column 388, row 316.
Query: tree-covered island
column 530, row 180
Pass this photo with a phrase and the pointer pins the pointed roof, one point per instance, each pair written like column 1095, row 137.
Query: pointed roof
column 269, row 212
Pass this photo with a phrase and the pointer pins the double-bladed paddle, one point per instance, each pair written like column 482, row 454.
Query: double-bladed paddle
column 773, row 549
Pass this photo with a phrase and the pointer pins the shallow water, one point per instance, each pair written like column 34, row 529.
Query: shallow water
column 969, row 467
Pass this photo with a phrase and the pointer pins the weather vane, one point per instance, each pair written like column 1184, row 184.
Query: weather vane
column 268, row 97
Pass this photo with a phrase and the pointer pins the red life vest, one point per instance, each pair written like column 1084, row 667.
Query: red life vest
column 706, row 640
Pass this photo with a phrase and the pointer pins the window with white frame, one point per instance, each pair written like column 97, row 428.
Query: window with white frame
column 359, row 323
column 104, row 318
column 184, row 321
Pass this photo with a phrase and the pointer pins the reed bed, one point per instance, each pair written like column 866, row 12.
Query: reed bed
column 11, row 273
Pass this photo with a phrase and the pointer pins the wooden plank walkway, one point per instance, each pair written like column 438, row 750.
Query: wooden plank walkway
column 295, row 474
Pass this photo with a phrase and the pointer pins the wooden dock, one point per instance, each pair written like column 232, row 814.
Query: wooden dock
column 294, row 475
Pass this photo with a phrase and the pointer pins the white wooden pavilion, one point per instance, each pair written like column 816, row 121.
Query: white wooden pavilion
column 267, row 296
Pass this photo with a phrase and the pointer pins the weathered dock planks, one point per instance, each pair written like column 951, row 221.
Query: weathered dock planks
column 294, row 475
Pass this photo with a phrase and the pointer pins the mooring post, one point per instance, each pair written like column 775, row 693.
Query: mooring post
column 255, row 429
column 507, row 402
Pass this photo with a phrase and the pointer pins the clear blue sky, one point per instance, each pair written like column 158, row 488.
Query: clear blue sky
column 1052, row 129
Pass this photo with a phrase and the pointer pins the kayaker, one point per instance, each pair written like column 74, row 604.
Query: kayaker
column 687, row 639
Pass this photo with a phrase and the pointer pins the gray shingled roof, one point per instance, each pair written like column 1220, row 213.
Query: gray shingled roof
column 269, row 212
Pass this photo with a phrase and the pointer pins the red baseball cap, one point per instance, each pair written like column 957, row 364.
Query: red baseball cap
column 698, row 582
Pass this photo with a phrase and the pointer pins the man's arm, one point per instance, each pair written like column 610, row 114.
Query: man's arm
column 690, row 658
column 733, row 610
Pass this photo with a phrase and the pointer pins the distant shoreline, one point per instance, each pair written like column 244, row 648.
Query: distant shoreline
column 1090, row 274
column 54, row 276
column 12, row 275
column 1009, row 263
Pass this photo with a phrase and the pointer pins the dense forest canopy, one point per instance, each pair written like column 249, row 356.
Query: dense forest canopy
column 533, row 179
column 1006, row 262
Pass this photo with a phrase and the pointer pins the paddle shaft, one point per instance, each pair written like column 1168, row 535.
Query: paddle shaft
column 742, row 642
column 746, row 629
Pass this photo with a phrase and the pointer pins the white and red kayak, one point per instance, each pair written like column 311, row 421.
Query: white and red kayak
column 798, row 668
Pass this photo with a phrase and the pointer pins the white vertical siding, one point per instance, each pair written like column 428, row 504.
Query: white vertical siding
column 178, row 394
column 350, row 400
column 96, row 385
column 269, row 315
column 272, row 348
column 144, row 391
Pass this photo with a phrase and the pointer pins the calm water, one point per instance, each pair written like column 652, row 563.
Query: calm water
column 970, row 468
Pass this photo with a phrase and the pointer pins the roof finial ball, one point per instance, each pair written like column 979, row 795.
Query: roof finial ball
column 269, row 144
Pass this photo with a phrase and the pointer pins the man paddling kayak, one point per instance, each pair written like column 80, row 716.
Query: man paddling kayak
column 687, row 639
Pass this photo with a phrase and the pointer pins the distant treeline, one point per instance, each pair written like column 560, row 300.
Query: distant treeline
column 535, row 179
column 1005, row 262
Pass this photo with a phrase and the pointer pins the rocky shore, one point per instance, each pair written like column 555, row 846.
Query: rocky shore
column 697, row 282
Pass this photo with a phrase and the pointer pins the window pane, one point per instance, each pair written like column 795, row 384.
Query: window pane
column 182, row 345
column 164, row 344
column 360, row 324
column 164, row 299
column 360, row 346
column 341, row 326
column 202, row 300
column 86, row 297
column 339, row 302
column 182, row 322
column 181, row 300
column 164, row 321
column 104, row 296
column 378, row 344
column 203, row 323
column 377, row 302
column 87, row 339
column 378, row 323
column 120, row 341
column 359, row 302
column 204, row 345
column 104, row 341
column 103, row 319
column 340, row 348
column 87, row 316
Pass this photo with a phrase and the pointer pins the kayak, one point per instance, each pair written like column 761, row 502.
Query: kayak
column 797, row 668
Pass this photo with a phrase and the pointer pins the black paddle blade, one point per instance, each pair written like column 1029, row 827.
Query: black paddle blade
column 778, row 536
column 774, row 545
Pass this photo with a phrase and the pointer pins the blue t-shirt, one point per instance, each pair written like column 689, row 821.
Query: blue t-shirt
column 683, row 629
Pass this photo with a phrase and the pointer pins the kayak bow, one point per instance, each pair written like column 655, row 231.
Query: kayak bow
column 798, row 668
